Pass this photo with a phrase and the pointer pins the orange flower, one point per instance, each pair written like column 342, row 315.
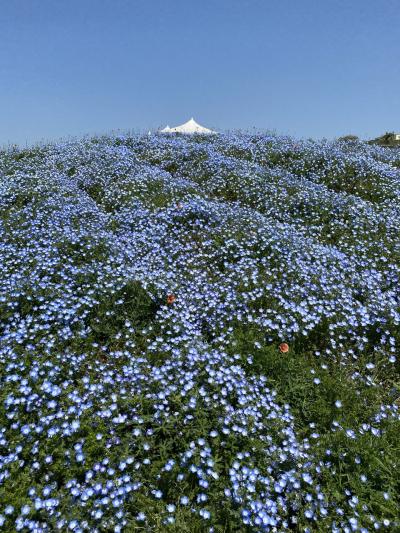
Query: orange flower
column 179, row 205
column 284, row 347
column 171, row 298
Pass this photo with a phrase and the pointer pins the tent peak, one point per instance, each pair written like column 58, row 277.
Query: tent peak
column 191, row 126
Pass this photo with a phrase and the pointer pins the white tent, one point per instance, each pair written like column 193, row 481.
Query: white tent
column 190, row 126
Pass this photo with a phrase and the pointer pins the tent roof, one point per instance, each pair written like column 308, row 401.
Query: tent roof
column 191, row 126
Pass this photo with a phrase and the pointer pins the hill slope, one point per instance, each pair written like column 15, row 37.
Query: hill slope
column 146, row 285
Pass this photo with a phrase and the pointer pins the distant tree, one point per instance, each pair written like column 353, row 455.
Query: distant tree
column 387, row 139
column 348, row 138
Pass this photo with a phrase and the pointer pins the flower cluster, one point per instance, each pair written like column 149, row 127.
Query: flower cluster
column 199, row 332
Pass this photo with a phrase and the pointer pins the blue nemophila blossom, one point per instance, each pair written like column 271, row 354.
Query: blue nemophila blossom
column 146, row 284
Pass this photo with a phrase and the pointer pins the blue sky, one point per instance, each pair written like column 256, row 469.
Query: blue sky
column 311, row 68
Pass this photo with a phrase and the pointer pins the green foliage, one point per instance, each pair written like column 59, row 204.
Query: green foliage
column 130, row 304
column 349, row 138
column 387, row 139
column 313, row 406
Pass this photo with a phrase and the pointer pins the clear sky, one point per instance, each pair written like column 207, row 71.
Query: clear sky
column 311, row 68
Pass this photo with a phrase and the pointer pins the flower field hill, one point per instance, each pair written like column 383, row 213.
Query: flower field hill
column 200, row 333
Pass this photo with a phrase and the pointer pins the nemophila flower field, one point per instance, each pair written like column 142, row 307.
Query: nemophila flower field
column 200, row 334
